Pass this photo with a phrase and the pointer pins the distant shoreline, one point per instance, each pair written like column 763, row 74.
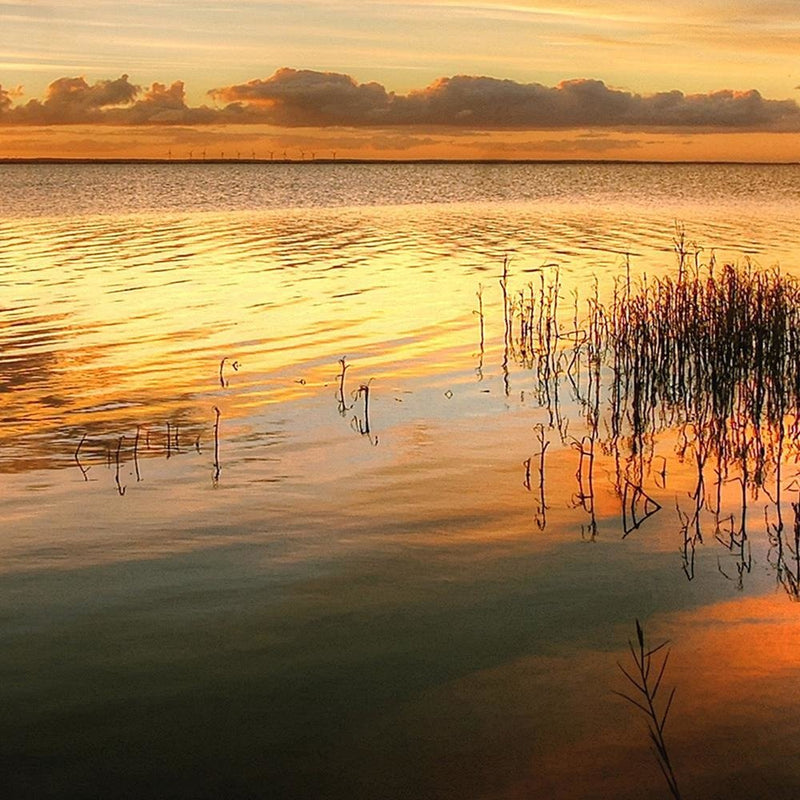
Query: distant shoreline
column 431, row 161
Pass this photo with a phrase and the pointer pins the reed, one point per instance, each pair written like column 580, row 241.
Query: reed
column 717, row 347
column 136, row 454
column 540, row 516
column 363, row 391
column 120, row 488
column 340, row 397
column 479, row 312
column 144, row 443
column 709, row 353
column 645, row 677
column 217, row 465
column 77, row 457
column 715, row 354
column 223, row 380
column 584, row 476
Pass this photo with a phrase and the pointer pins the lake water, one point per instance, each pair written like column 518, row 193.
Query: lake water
column 228, row 571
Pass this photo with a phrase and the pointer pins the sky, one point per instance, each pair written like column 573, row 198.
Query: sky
column 539, row 79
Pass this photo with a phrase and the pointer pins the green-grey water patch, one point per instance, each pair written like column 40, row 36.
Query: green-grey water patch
column 226, row 671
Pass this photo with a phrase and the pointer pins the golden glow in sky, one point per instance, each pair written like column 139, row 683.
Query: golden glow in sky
column 437, row 79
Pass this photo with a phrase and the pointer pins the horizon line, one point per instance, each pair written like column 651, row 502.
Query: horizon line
column 500, row 161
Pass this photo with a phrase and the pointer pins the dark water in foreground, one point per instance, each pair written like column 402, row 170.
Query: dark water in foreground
column 278, row 602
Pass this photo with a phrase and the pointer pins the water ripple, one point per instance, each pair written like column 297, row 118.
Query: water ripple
column 136, row 308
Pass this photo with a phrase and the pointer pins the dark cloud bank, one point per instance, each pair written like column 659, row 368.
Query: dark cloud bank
column 293, row 98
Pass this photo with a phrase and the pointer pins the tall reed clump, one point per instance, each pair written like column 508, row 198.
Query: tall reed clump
column 717, row 347
column 709, row 353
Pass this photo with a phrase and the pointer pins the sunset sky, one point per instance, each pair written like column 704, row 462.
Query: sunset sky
column 631, row 79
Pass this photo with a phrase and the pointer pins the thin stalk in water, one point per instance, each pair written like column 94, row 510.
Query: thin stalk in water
column 645, row 678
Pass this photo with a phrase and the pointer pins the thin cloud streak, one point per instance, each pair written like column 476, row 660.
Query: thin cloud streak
column 293, row 98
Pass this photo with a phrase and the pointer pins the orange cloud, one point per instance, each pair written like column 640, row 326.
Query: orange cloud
column 305, row 98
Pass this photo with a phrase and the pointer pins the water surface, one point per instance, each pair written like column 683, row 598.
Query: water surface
column 222, row 575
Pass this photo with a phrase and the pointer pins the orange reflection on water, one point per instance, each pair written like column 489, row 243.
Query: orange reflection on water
column 752, row 638
column 148, row 308
column 733, row 725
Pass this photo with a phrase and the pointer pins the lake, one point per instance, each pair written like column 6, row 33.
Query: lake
column 290, row 508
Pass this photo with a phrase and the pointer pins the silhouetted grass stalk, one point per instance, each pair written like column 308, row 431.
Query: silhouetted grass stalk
column 217, row 465
column 120, row 488
column 343, row 407
column 136, row 454
column 646, row 677
column 77, row 457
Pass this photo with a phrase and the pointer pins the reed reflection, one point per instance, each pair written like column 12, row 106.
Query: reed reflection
column 704, row 361
column 540, row 512
column 709, row 356
column 167, row 440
